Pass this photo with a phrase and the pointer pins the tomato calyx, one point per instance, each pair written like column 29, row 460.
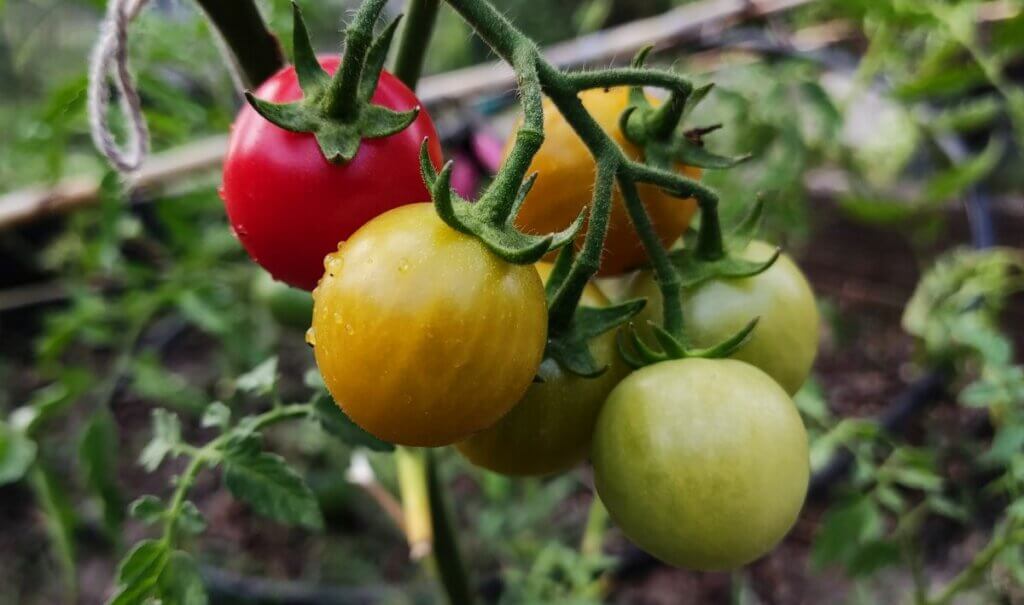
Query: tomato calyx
column 337, row 109
column 710, row 258
column 658, row 130
column 568, row 344
column 491, row 218
column 638, row 354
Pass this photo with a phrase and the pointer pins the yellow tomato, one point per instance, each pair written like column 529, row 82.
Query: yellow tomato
column 423, row 335
column 549, row 430
column 565, row 184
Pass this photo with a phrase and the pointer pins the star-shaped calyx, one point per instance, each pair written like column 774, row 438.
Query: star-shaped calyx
column 337, row 109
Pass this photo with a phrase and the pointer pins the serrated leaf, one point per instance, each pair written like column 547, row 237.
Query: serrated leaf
column 260, row 380
column 216, row 415
column 148, row 509
column 139, row 573
column 269, row 485
column 180, row 583
column 17, row 453
column 98, row 454
column 166, row 437
column 334, row 420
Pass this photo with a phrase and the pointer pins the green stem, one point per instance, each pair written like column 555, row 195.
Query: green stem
column 710, row 245
column 411, row 465
column 446, row 545
column 420, row 16
column 593, row 533
column 970, row 575
column 256, row 51
column 342, row 99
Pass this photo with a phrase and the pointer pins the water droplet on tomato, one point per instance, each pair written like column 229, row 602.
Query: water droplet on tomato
column 403, row 266
column 349, row 330
column 311, row 337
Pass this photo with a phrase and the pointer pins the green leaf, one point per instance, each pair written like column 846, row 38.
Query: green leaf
column 180, row 583
column 334, row 420
column 872, row 556
column 139, row 573
column 260, row 380
column 216, row 415
column 846, row 526
column 268, row 484
column 953, row 181
column 98, row 454
column 17, row 453
column 191, row 520
column 152, row 381
column 148, row 509
column 59, row 519
column 166, row 438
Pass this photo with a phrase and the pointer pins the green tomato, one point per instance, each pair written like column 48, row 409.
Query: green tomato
column 785, row 341
column 550, row 429
column 701, row 462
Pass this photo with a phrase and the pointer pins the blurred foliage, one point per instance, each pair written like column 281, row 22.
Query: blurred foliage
column 163, row 317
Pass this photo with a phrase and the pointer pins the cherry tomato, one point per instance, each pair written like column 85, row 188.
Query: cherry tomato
column 290, row 207
column 701, row 462
column 549, row 430
column 565, row 184
column 424, row 336
column 785, row 341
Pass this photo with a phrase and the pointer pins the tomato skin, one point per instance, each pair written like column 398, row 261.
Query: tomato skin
column 549, row 430
column 565, row 184
column 785, row 342
column 422, row 335
column 290, row 207
column 703, row 463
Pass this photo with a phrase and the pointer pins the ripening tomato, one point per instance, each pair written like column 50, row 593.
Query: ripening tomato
column 423, row 335
column 565, row 184
column 785, row 342
column 290, row 207
column 549, row 430
column 701, row 462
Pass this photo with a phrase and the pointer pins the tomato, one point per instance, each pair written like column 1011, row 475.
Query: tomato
column 290, row 207
column 423, row 335
column 785, row 341
column 565, row 184
column 701, row 462
column 549, row 430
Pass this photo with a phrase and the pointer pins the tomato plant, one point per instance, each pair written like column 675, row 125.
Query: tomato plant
column 290, row 206
column 565, row 171
column 785, row 342
column 422, row 335
column 549, row 430
column 703, row 463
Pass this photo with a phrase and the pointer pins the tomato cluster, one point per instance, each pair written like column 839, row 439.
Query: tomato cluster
column 426, row 337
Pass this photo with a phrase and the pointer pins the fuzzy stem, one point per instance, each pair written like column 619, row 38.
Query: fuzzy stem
column 342, row 99
column 420, row 16
column 256, row 50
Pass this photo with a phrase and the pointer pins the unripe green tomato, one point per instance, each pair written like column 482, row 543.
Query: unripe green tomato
column 785, row 341
column 290, row 307
column 550, row 429
column 701, row 462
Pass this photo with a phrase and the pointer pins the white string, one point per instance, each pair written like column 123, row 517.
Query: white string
column 110, row 57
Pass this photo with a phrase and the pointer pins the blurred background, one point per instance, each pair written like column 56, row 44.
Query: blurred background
column 886, row 139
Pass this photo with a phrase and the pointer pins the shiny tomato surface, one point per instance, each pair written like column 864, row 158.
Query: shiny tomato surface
column 290, row 207
column 423, row 335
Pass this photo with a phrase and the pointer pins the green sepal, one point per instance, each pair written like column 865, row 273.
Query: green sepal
column 338, row 136
column 694, row 271
column 499, row 235
column 570, row 348
column 637, row 354
column 690, row 153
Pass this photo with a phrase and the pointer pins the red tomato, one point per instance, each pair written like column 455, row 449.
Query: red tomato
column 290, row 207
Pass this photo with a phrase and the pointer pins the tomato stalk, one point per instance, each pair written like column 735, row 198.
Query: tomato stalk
column 255, row 50
column 420, row 16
